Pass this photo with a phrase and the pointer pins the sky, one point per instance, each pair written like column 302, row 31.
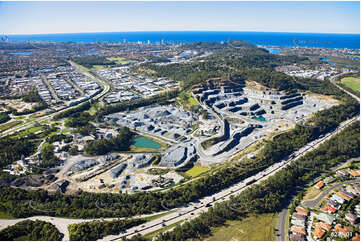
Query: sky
column 80, row 17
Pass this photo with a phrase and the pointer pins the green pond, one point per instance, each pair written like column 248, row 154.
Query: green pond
column 144, row 142
column 260, row 118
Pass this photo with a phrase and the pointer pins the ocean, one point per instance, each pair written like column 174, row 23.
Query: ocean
column 340, row 41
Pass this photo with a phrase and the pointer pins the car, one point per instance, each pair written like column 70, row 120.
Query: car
column 192, row 213
column 135, row 231
column 143, row 226
column 163, row 224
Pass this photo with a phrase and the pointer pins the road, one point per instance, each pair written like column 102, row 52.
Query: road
column 203, row 156
column 282, row 216
column 50, row 87
column 313, row 203
column 61, row 223
column 312, row 214
column 192, row 210
column 332, row 80
column 105, row 89
column 281, row 224
column 195, row 209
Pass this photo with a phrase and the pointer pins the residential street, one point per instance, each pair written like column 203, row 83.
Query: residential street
column 283, row 214
column 313, row 203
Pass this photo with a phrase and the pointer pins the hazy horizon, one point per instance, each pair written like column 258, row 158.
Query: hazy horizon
column 184, row 31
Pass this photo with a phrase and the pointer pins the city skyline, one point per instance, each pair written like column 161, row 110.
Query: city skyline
column 90, row 17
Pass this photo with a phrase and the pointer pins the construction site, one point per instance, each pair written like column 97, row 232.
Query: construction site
column 245, row 113
column 110, row 174
column 237, row 117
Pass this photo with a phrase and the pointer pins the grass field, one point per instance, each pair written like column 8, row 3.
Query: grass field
column 192, row 100
column 186, row 100
column 94, row 108
column 118, row 60
column 100, row 67
column 352, row 82
column 28, row 131
column 65, row 131
column 196, row 171
column 254, row 227
column 9, row 125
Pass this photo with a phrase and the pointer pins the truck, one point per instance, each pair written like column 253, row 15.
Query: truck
column 250, row 182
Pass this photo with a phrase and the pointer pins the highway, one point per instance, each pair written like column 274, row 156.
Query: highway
column 197, row 208
column 282, row 216
column 62, row 223
column 193, row 209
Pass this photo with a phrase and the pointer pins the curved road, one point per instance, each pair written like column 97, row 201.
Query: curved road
column 283, row 214
column 197, row 208
column 192, row 210
column 23, row 126
column 332, row 80
column 62, row 223
column 313, row 203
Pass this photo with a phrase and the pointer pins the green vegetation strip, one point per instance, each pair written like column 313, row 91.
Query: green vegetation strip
column 150, row 236
column 99, row 229
column 9, row 125
column 26, row 132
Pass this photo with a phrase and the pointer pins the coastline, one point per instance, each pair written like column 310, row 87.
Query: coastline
column 270, row 39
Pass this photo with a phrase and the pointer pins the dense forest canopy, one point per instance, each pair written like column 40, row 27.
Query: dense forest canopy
column 4, row 117
column 98, row 229
column 121, row 142
column 29, row 230
column 91, row 60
